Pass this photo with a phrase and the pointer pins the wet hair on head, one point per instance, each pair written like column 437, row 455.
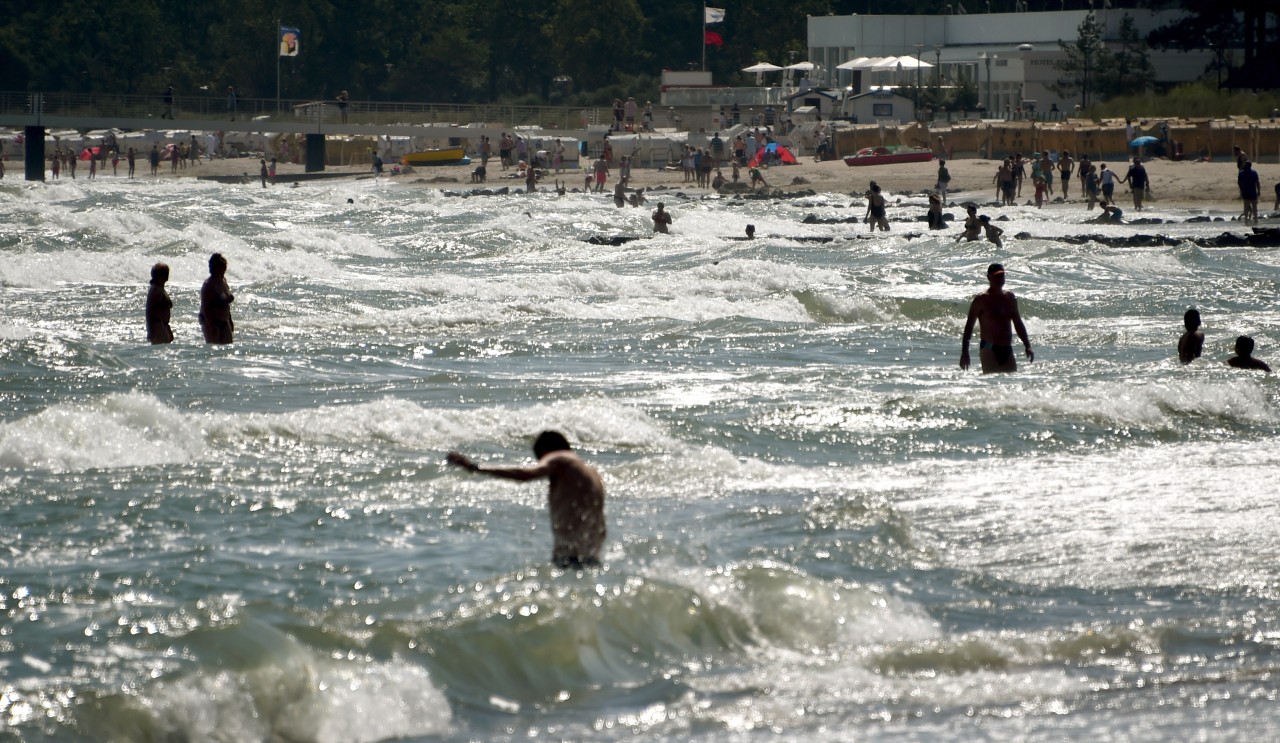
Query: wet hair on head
column 159, row 273
column 217, row 260
column 549, row 441
column 1191, row 318
column 1244, row 345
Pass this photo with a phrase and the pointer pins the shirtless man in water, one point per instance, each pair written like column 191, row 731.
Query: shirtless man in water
column 995, row 310
column 575, row 495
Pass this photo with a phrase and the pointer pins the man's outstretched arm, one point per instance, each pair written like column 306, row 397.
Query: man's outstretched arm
column 521, row 474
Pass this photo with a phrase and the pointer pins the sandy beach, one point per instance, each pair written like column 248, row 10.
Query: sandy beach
column 1193, row 184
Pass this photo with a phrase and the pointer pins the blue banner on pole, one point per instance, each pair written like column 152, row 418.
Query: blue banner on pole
column 289, row 41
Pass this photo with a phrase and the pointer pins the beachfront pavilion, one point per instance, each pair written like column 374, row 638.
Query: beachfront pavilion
column 1009, row 57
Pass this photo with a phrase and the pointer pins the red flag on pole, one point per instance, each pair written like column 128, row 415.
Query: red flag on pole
column 712, row 38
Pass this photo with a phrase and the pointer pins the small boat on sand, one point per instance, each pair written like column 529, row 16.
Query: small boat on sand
column 441, row 156
column 888, row 155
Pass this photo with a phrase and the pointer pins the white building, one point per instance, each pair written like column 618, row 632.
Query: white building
column 1010, row 56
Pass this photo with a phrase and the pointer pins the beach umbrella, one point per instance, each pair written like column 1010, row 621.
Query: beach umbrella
column 803, row 66
column 1140, row 141
column 853, row 64
column 759, row 67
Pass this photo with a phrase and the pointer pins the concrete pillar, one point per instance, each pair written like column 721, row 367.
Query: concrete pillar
column 34, row 152
column 315, row 152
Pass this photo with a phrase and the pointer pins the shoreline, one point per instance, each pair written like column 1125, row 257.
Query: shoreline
column 1189, row 184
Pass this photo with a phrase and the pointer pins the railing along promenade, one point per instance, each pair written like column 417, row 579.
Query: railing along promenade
column 308, row 110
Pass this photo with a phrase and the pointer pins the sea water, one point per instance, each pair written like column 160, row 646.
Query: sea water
column 820, row 528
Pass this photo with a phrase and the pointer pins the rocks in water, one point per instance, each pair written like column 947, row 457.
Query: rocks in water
column 504, row 191
column 614, row 240
column 815, row 219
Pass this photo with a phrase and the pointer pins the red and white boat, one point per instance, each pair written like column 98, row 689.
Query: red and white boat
column 888, row 155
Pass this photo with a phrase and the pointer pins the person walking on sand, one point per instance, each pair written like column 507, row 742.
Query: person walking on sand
column 159, row 307
column 996, row 312
column 1192, row 342
column 215, row 303
column 944, row 180
column 1107, row 180
column 575, row 497
column 1065, row 164
column 1137, row 180
column 1250, row 190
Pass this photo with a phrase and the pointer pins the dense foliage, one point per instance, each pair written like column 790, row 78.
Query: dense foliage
column 1093, row 69
column 567, row 51
column 1252, row 26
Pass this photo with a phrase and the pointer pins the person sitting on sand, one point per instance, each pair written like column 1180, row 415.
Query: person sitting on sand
column 1244, row 356
column 575, row 496
column 1192, row 342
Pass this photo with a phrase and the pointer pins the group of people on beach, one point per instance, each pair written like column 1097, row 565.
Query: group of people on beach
column 215, row 305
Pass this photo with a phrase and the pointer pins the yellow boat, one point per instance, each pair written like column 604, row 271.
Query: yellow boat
column 442, row 156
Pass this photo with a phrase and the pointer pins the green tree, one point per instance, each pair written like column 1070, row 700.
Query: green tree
column 1085, row 56
column 592, row 41
column 1127, row 70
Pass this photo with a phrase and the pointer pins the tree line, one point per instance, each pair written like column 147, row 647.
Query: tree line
column 466, row 51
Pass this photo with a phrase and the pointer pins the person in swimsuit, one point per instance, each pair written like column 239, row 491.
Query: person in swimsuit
column 1244, row 356
column 1064, row 171
column 1192, row 342
column 875, row 209
column 996, row 311
column 159, row 306
column 215, row 303
column 972, row 225
column 575, row 496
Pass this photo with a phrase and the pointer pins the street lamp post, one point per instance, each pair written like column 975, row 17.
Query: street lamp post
column 987, row 59
column 937, row 68
column 918, row 48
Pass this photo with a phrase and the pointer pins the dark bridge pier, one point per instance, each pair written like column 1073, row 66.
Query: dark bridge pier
column 34, row 152
column 315, row 153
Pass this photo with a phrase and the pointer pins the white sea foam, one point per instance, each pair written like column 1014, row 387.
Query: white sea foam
column 119, row 430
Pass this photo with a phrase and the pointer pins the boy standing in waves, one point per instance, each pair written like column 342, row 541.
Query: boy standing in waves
column 575, row 496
